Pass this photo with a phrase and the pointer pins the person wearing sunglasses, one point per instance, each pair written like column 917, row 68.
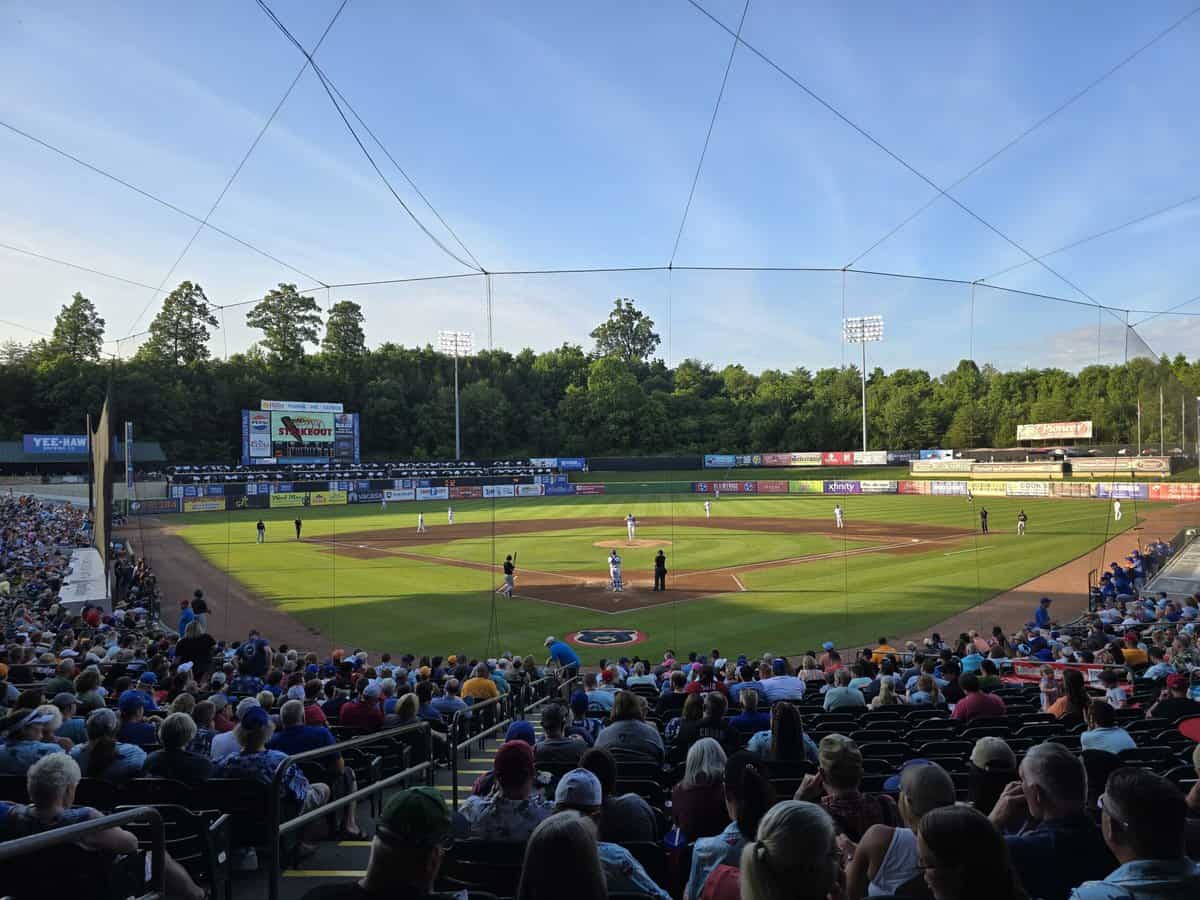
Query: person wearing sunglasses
column 1142, row 817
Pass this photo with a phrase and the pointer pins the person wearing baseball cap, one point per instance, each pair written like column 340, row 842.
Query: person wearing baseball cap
column 992, row 766
column 73, row 725
column 411, row 839
column 21, row 730
column 1174, row 702
column 837, row 788
column 134, row 727
column 512, row 812
column 562, row 656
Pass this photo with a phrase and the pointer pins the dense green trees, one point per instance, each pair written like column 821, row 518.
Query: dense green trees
column 615, row 399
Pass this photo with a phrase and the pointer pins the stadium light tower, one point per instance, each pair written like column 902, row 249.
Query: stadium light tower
column 863, row 330
column 458, row 343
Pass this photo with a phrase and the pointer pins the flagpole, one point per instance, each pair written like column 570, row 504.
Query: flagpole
column 1161, row 442
column 1139, row 434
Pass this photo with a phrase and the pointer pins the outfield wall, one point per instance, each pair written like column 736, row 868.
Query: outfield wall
column 277, row 495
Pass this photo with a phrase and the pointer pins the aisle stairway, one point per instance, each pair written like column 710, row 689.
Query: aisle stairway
column 347, row 860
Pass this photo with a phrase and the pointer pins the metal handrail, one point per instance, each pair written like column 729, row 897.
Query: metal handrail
column 72, row 833
column 456, row 727
column 276, row 829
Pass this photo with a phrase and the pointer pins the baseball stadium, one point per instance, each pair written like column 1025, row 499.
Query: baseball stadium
column 700, row 452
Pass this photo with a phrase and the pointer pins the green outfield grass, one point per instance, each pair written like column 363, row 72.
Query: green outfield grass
column 400, row 603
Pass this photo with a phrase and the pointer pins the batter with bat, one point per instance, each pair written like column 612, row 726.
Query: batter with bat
column 510, row 570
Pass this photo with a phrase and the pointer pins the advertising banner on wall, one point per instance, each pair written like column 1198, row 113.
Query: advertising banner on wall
column 1122, row 490
column 1120, row 465
column 719, row 460
column 491, row 491
column 251, row 501
column 300, row 406
column 879, row 487
column 842, row 487
column 288, row 499
column 529, row 490
column 57, row 444
column 328, row 498
column 806, row 487
column 913, row 487
column 1073, row 489
column 154, row 506
column 931, row 466
column 935, row 454
column 902, row 456
column 777, row 459
column 434, row 493
column 589, row 488
column 258, row 438
column 466, row 492
column 989, row 488
column 772, row 487
column 948, row 488
column 806, row 459
column 560, row 490
column 1029, row 489
column 400, row 494
column 1054, row 431
column 572, row 464
column 543, row 462
column 367, row 496
column 203, row 504
column 1174, row 491
column 838, row 458
column 1020, row 469
column 870, row 458
column 301, row 428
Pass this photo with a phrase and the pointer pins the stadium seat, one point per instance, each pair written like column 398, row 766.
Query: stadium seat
column 12, row 789
column 68, row 870
column 1155, row 758
column 95, row 792
column 958, row 749
column 156, row 791
column 198, row 841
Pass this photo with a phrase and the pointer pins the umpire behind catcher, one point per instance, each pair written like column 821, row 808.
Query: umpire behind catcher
column 660, row 572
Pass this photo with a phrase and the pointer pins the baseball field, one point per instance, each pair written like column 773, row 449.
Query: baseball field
column 762, row 573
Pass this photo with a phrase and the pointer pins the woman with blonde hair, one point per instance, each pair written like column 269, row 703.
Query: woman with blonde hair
column 887, row 695
column 698, row 801
column 561, row 860
column 794, row 857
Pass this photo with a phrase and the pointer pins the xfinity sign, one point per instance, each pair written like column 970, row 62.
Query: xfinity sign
column 62, row 444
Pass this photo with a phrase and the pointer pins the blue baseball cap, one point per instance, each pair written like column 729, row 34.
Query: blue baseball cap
column 148, row 678
column 579, row 701
column 828, row 645
column 255, row 718
column 130, row 701
column 892, row 783
column 521, row 730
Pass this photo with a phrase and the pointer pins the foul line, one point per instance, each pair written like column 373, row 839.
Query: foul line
column 969, row 550
column 738, row 582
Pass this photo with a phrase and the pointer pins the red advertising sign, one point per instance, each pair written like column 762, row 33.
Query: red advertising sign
column 467, row 492
column 777, row 459
column 912, row 487
column 772, row 487
column 1175, row 491
column 838, row 458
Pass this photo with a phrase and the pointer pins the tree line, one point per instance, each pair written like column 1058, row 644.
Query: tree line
column 615, row 397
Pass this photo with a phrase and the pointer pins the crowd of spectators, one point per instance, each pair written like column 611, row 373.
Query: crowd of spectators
column 114, row 696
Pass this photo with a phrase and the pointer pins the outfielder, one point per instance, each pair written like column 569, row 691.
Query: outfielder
column 614, row 571
column 449, row 515
column 838, row 519
column 630, row 526
column 708, row 509
column 420, row 523
column 262, row 531
column 1116, row 510
column 1021, row 520
column 383, row 503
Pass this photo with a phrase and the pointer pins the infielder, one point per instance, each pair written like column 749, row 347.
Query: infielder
column 614, row 571
column 708, row 509
column 449, row 515
column 839, row 520
column 630, row 526
column 420, row 523
column 1116, row 510
column 1021, row 520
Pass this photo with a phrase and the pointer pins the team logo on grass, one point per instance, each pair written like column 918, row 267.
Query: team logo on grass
column 606, row 637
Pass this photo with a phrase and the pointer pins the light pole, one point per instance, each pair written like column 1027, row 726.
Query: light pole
column 458, row 343
column 863, row 330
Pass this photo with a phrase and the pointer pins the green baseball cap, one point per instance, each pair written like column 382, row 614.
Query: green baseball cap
column 416, row 817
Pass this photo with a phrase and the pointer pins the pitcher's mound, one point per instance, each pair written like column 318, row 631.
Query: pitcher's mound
column 636, row 542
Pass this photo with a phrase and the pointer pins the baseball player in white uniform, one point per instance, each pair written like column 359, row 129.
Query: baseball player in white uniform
column 449, row 515
column 420, row 523
column 383, row 503
column 708, row 509
column 838, row 520
column 630, row 526
column 1116, row 510
column 614, row 571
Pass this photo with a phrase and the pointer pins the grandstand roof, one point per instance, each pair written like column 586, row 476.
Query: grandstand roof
column 143, row 452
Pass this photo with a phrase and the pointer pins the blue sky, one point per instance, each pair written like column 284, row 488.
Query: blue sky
column 564, row 134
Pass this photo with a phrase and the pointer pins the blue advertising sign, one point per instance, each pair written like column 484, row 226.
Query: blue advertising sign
column 572, row 464
column 559, row 490
column 937, row 454
column 215, row 490
column 843, row 487
column 1122, row 490
column 719, row 460
column 902, row 456
column 60, row 444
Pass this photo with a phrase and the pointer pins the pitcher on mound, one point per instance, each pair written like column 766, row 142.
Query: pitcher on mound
column 614, row 571
column 630, row 527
